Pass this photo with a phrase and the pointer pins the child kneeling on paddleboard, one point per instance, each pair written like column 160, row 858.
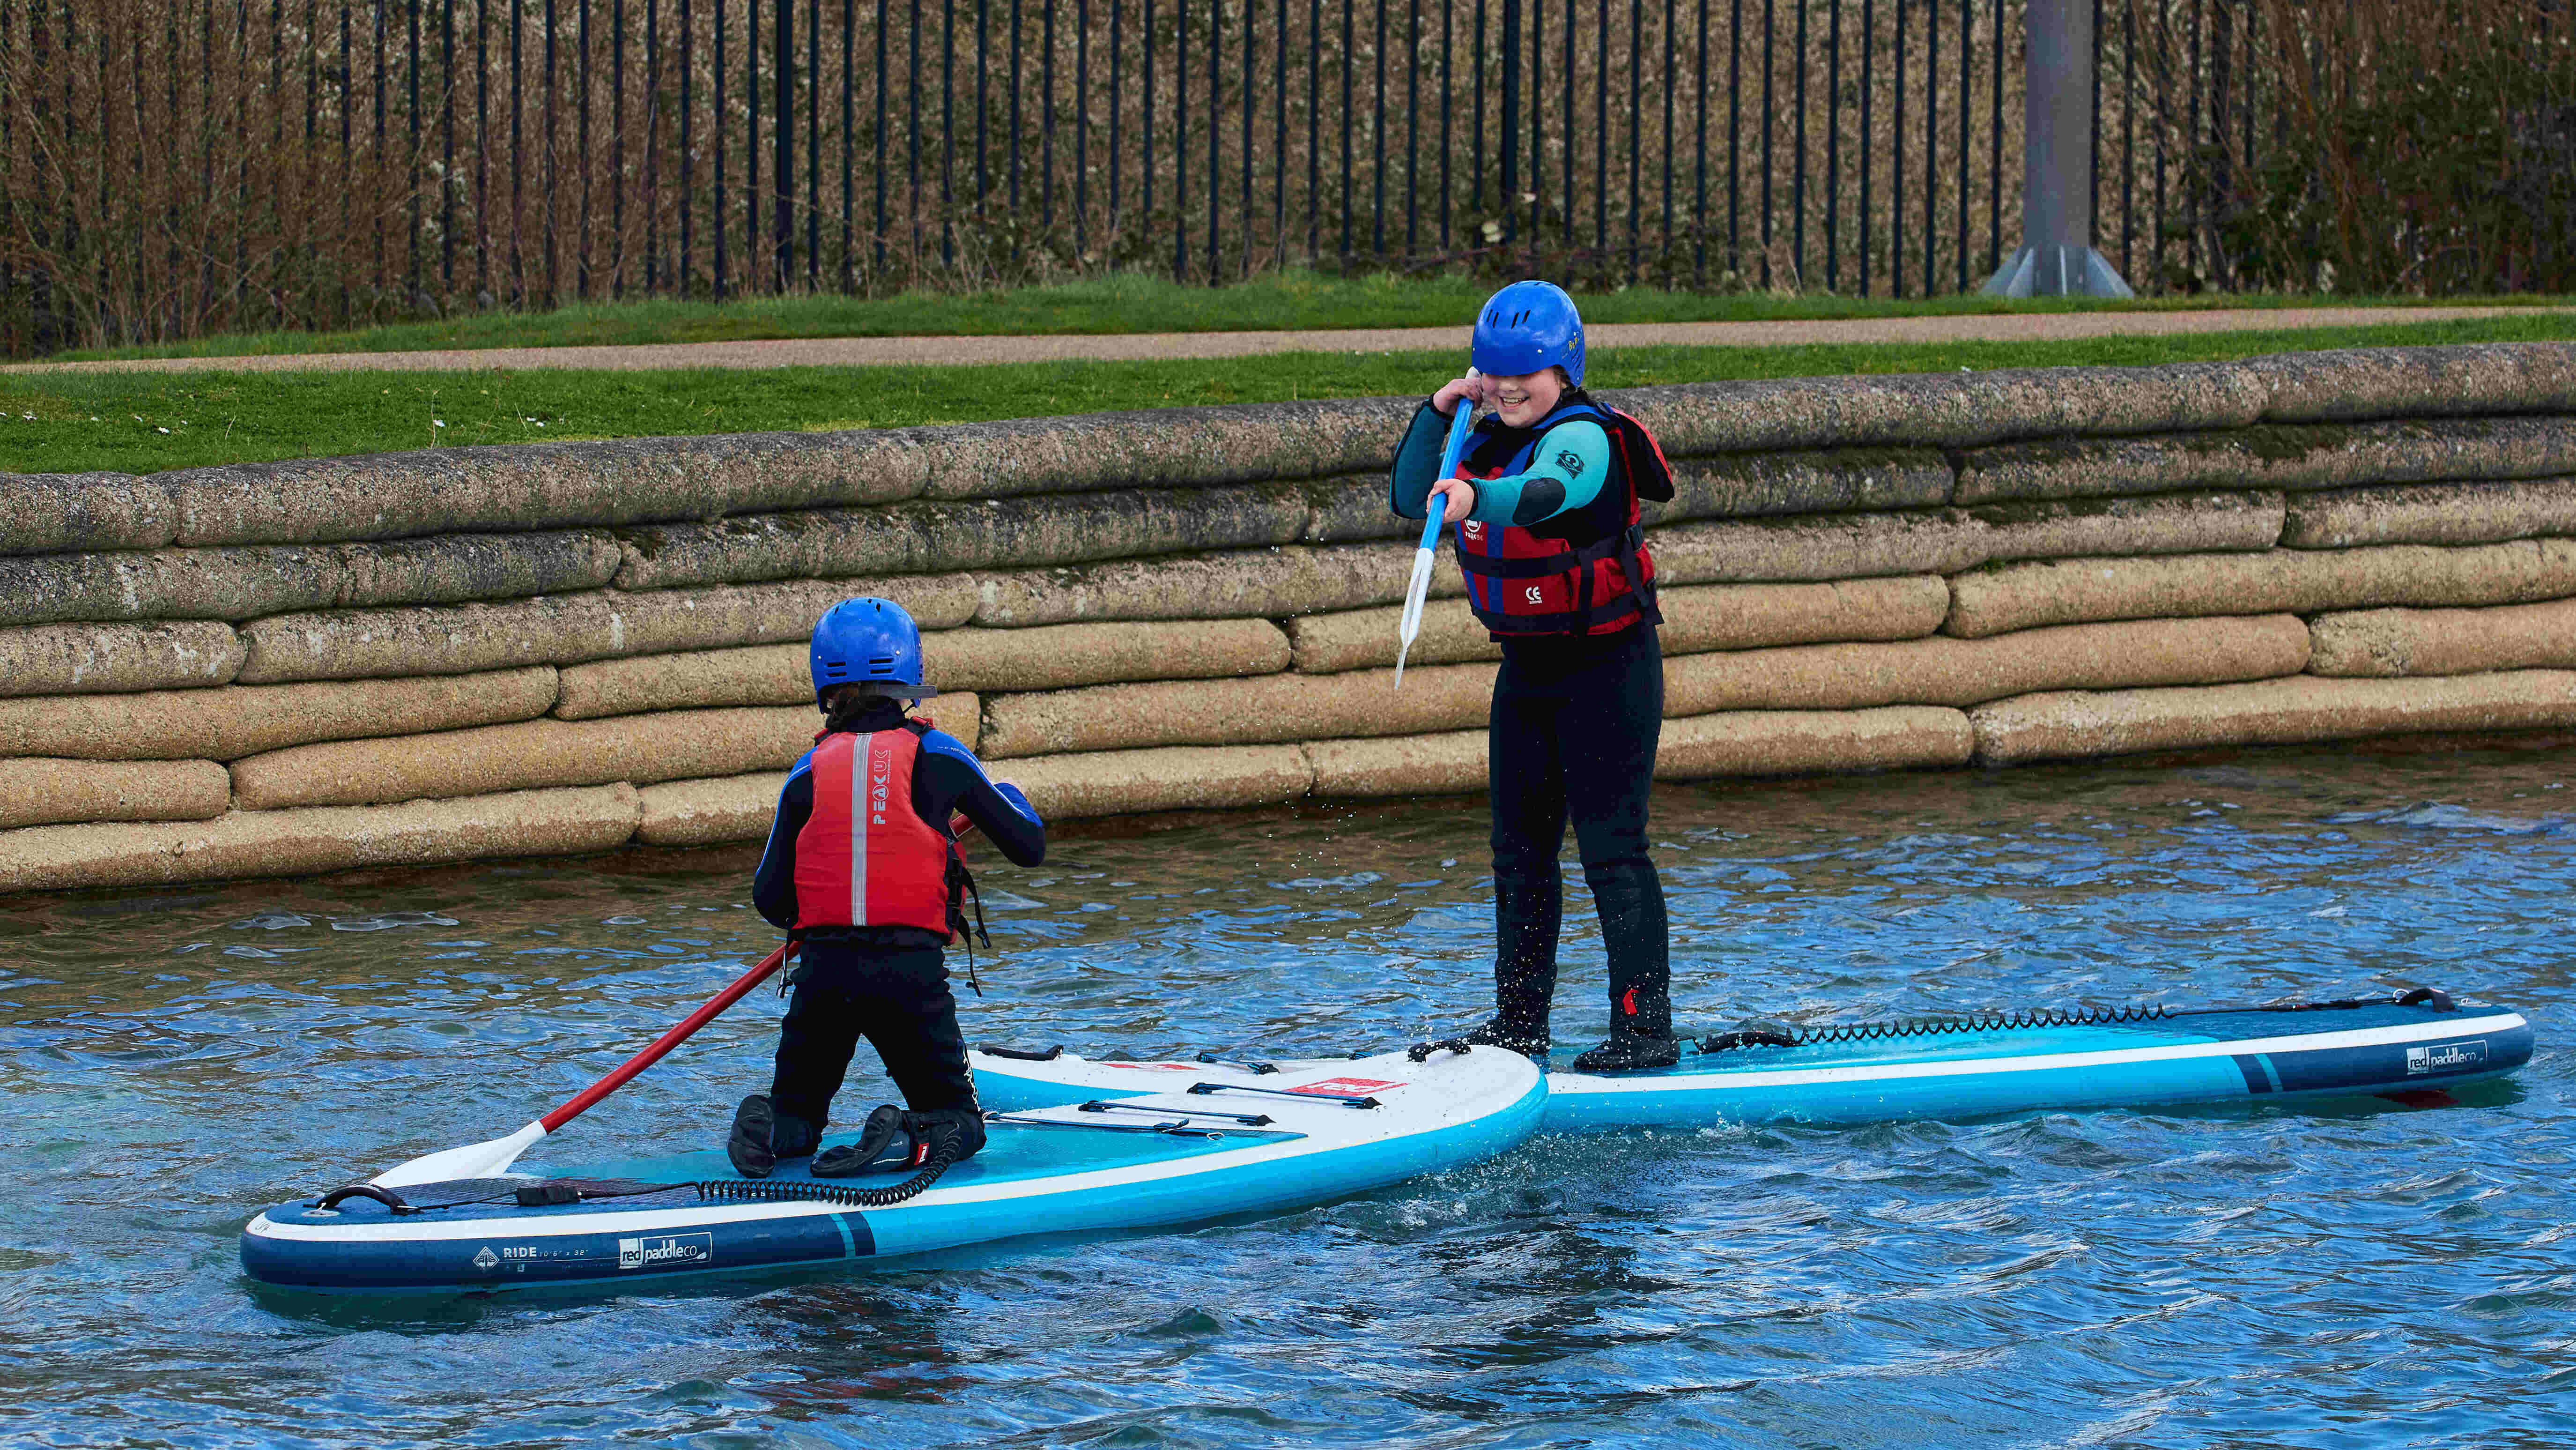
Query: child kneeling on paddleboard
column 1545, row 501
column 862, row 869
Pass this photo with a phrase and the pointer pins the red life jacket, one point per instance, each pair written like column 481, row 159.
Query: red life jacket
column 865, row 857
column 1522, row 583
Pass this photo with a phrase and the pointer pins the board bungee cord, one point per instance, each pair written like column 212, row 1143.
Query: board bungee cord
column 2036, row 1018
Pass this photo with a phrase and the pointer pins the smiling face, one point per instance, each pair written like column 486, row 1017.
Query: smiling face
column 1524, row 400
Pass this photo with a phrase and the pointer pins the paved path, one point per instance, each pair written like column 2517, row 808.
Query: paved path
column 919, row 351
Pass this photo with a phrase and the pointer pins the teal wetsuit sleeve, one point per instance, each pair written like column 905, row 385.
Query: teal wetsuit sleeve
column 1572, row 463
column 1417, row 463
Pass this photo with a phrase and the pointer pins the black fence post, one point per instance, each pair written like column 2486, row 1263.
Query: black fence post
column 1146, row 179
column 581, row 141
column 1931, row 133
column 446, row 143
column 783, row 123
column 686, row 280
column 1868, row 53
column 877, row 275
column 617, row 147
column 1181, row 139
column 1769, row 48
column 1896, row 170
column 1798, row 163
column 1967, row 89
column 1348, row 9
column 1833, row 143
column 652, row 178
column 717, row 216
column 482, row 145
column 1510, row 132
column 1377, row 135
column 1699, row 185
column 1117, row 96
column 1314, row 130
column 411, row 117
column 1734, row 141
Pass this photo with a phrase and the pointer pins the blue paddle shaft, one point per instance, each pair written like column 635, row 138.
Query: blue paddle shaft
column 1460, row 424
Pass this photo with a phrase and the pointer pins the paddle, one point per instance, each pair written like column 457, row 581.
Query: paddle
column 488, row 1159
column 1415, row 591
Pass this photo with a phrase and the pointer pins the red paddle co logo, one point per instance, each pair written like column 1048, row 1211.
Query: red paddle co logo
column 666, row 1251
column 2447, row 1057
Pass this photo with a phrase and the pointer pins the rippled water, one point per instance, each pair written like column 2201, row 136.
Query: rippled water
column 2360, row 1275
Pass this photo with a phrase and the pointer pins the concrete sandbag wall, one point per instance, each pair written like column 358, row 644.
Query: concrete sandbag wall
column 295, row 667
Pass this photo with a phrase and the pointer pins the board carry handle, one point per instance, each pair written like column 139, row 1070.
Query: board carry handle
column 1176, row 1127
column 1202, row 1089
column 1749, row 1037
column 1257, row 1069
column 1249, row 1120
column 385, row 1196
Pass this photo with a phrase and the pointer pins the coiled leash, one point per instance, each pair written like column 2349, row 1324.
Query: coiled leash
column 771, row 1191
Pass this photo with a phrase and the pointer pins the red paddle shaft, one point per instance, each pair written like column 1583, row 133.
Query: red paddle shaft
column 590, row 1095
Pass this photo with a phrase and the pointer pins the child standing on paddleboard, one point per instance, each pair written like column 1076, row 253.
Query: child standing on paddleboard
column 1545, row 503
column 862, row 868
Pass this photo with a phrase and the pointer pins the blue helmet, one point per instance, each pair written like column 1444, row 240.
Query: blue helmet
column 1529, row 327
column 870, row 643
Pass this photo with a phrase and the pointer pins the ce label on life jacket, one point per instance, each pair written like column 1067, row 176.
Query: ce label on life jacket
column 1533, row 594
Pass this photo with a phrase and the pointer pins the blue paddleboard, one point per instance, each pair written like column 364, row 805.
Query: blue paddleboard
column 1969, row 1067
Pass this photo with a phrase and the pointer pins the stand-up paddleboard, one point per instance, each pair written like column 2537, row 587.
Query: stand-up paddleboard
column 1969, row 1067
column 1183, row 1145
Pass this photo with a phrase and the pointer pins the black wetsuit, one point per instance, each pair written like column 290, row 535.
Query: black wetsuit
column 889, row 983
column 1571, row 740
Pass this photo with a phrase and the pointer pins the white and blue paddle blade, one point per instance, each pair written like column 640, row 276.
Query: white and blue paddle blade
column 1418, row 587
column 1414, row 593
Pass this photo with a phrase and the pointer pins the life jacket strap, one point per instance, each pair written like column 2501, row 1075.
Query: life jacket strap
column 1570, row 621
column 961, row 887
column 1547, row 566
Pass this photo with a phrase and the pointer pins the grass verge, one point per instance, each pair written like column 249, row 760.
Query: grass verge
column 1129, row 302
column 146, row 422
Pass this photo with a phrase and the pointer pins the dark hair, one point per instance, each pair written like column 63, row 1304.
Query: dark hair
column 847, row 707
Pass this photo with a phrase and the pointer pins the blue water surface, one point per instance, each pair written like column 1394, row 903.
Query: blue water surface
column 2355, row 1274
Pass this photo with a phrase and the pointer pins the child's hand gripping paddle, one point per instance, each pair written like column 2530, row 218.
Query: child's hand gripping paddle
column 489, row 1159
column 1460, row 423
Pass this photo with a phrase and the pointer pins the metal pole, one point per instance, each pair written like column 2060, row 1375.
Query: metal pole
column 783, row 127
column 1510, row 132
column 717, row 115
column 784, row 148
column 2057, row 257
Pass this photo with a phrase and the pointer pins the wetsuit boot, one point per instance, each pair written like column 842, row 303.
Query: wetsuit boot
column 748, row 1144
column 1637, row 938
column 1526, row 920
column 762, row 1135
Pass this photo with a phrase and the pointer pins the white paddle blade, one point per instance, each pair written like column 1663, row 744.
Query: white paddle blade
column 474, row 1160
column 1411, row 623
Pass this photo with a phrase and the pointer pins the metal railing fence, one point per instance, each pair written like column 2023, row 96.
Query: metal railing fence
column 170, row 168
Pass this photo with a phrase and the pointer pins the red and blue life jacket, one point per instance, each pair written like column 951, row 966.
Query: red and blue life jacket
column 1538, row 580
column 865, row 856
